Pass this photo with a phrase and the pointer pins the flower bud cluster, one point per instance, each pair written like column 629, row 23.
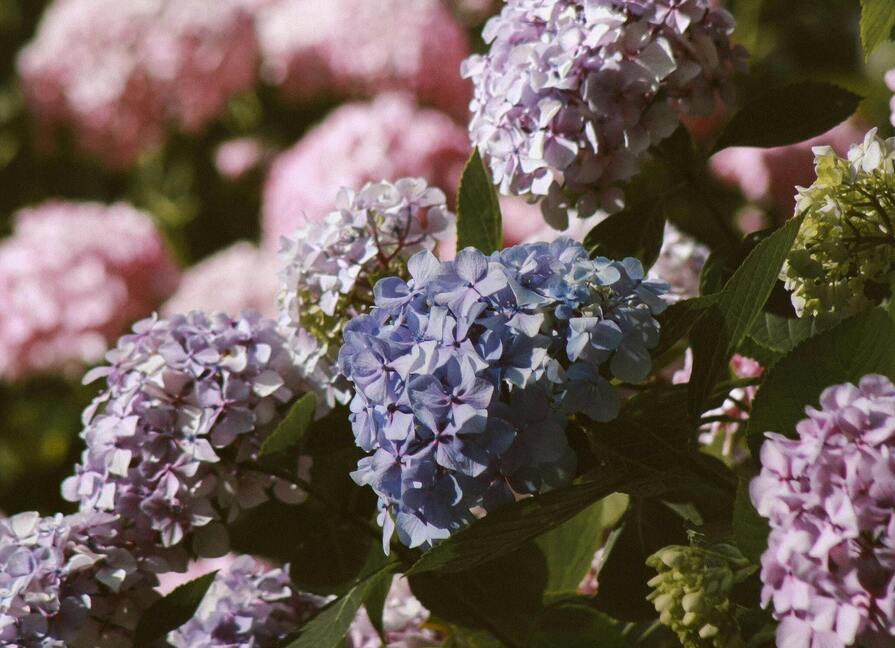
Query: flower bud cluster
column 573, row 93
column 691, row 593
column 328, row 268
column 829, row 494
column 69, row 581
column 846, row 245
column 247, row 605
column 187, row 401
column 465, row 375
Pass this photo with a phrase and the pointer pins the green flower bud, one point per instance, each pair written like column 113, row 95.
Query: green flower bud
column 692, row 593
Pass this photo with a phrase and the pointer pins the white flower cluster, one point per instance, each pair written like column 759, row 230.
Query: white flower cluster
column 328, row 268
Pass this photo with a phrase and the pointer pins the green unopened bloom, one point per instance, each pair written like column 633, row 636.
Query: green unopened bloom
column 844, row 254
column 692, row 593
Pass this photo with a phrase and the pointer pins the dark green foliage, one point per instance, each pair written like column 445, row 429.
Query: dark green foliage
column 172, row 611
column 478, row 210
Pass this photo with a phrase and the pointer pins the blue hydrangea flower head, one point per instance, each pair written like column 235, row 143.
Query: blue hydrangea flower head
column 464, row 376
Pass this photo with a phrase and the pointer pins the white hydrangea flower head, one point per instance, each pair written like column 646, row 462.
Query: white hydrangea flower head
column 329, row 268
column 845, row 248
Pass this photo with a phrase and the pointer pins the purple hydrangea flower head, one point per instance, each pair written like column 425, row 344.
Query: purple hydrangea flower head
column 247, row 605
column 187, row 401
column 328, row 268
column 829, row 494
column 573, row 93
column 69, row 581
column 464, row 375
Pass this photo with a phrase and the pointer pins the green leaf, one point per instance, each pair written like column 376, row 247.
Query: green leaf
column 375, row 602
column 576, row 625
column 789, row 114
column 503, row 597
column 172, row 611
column 750, row 530
column 328, row 628
column 857, row 346
column 677, row 320
column 780, row 335
column 478, row 209
column 463, row 637
column 646, row 527
column 636, row 231
column 325, row 549
column 570, row 547
column 877, row 22
column 721, row 329
column 509, row 528
column 292, row 428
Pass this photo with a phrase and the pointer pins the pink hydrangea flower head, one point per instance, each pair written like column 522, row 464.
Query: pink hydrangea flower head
column 240, row 277
column 389, row 137
column 118, row 72
column 236, row 157
column 351, row 48
column 770, row 176
column 72, row 277
column 829, row 494
column 572, row 93
column 735, row 406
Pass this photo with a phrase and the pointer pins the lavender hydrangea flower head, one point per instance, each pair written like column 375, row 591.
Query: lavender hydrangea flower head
column 328, row 268
column 829, row 494
column 465, row 374
column 247, row 605
column 68, row 581
column 573, row 92
column 187, row 401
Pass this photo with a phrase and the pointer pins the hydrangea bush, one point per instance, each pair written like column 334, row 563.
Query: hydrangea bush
column 437, row 418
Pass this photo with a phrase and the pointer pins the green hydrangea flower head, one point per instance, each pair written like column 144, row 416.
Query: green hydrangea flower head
column 691, row 593
column 844, row 255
